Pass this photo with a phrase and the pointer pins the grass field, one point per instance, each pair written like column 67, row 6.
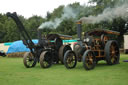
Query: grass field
column 13, row 72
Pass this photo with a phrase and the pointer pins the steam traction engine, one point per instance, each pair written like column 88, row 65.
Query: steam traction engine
column 95, row 46
column 48, row 50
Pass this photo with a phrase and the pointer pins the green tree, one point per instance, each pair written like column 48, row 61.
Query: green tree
column 32, row 25
column 67, row 27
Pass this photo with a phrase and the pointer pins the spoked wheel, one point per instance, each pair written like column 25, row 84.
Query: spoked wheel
column 45, row 59
column 112, row 53
column 62, row 51
column 29, row 60
column 89, row 60
column 70, row 59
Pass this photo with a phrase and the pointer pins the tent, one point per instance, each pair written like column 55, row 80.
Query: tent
column 18, row 46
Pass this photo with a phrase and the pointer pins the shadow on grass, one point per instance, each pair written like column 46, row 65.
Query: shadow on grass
column 79, row 66
column 53, row 66
column 99, row 65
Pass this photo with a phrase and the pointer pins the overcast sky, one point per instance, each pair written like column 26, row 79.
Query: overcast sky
column 28, row 8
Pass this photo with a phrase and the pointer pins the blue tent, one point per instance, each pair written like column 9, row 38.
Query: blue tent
column 18, row 46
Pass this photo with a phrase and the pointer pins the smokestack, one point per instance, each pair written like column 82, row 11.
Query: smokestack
column 39, row 35
column 79, row 29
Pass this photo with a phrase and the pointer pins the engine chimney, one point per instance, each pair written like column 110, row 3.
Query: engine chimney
column 39, row 35
column 79, row 29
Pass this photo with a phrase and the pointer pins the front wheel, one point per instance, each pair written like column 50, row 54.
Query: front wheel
column 29, row 60
column 89, row 60
column 46, row 59
column 70, row 59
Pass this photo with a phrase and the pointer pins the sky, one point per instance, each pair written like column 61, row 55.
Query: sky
column 28, row 8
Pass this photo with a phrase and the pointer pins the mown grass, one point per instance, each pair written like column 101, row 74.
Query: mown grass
column 13, row 72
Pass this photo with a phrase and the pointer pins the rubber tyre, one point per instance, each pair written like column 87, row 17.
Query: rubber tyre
column 85, row 61
column 109, row 54
column 66, row 56
column 46, row 57
column 25, row 60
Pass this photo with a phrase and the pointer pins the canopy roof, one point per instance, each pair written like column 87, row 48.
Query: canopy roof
column 63, row 37
column 99, row 32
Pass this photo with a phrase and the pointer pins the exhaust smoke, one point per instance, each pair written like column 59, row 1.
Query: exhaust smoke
column 119, row 10
column 68, row 12
column 108, row 15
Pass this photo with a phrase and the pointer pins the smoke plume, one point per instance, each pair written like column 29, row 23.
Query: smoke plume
column 108, row 15
column 68, row 12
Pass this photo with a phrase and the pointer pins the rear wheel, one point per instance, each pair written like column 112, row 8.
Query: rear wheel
column 46, row 59
column 29, row 60
column 79, row 51
column 112, row 53
column 62, row 51
column 70, row 59
column 89, row 60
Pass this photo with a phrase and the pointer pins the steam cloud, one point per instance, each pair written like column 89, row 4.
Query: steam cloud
column 108, row 15
column 68, row 12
